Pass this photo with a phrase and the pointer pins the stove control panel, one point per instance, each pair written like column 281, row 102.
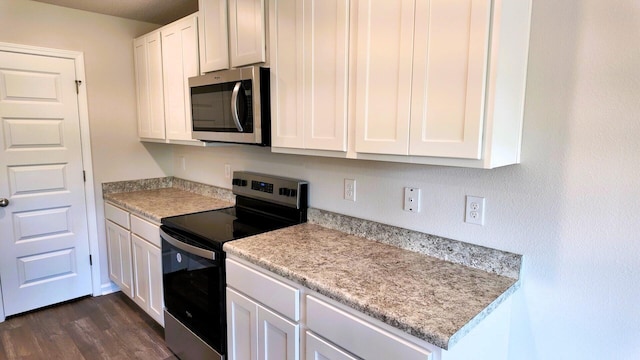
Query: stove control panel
column 277, row 189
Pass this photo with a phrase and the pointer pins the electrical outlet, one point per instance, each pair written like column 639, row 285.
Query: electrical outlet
column 474, row 210
column 227, row 171
column 350, row 189
column 412, row 199
column 183, row 163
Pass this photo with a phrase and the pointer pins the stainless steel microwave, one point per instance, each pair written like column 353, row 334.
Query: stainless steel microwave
column 232, row 106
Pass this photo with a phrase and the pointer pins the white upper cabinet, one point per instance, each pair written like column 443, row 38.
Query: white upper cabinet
column 148, row 64
column 309, row 43
column 247, row 40
column 449, row 78
column 383, row 87
column 455, row 93
column 180, row 62
column 429, row 99
column 214, row 36
column 164, row 61
column 431, row 82
column 232, row 33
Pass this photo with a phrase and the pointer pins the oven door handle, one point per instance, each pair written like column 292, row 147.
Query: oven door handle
column 208, row 254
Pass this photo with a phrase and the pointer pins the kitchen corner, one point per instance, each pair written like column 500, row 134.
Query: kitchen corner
column 437, row 290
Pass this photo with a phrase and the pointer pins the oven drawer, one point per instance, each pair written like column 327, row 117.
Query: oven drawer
column 117, row 215
column 274, row 294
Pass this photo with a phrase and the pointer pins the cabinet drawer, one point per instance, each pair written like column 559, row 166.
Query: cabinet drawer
column 146, row 230
column 361, row 338
column 117, row 215
column 274, row 294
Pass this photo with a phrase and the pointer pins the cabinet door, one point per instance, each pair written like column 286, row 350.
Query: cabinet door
column 156, row 297
column 285, row 41
column 147, row 270
column 119, row 247
column 246, row 32
column 140, row 272
column 180, row 61
column 213, row 35
column 148, row 65
column 449, row 75
column 309, row 62
column 242, row 328
column 326, row 73
column 278, row 338
column 318, row 349
column 383, row 76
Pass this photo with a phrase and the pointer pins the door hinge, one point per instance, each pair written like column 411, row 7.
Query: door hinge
column 78, row 83
column 90, row 261
column 84, row 176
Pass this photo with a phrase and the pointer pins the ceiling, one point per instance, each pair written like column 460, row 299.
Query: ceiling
column 159, row 12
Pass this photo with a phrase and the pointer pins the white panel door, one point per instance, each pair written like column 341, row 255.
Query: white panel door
column 278, row 338
column 44, row 257
column 383, row 76
column 242, row 331
column 309, row 43
column 285, row 41
column 147, row 272
column 326, row 70
column 179, row 63
column 450, row 67
column 213, row 35
column 247, row 39
column 119, row 247
column 149, row 87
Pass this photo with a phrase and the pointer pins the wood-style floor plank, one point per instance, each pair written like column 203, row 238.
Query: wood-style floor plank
column 105, row 327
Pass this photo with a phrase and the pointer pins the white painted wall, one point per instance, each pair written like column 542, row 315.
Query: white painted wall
column 571, row 207
column 107, row 44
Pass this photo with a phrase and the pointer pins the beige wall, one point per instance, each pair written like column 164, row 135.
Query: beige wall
column 106, row 42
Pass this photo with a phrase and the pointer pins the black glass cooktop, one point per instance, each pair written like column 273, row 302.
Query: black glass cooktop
column 210, row 229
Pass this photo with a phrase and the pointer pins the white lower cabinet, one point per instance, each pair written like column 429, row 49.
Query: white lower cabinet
column 147, row 272
column 119, row 254
column 319, row 349
column 135, row 259
column 352, row 332
column 255, row 332
column 264, row 320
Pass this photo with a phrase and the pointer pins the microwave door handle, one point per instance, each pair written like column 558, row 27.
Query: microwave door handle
column 234, row 106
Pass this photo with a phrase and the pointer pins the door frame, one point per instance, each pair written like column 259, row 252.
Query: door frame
column 85, row 140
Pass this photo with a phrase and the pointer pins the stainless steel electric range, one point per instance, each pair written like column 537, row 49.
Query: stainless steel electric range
column 193, row 261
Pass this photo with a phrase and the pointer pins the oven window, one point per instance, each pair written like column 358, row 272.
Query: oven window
column 194, row 293
column 211, row 107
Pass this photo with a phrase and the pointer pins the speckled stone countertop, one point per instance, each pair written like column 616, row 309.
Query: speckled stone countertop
column 436, row 300
column 162, row 197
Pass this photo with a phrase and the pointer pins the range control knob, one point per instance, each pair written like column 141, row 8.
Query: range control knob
column 288, row 192
column 239, row 182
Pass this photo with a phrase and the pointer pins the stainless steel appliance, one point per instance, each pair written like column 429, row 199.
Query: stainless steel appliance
column 232, row 106
column 193, row 261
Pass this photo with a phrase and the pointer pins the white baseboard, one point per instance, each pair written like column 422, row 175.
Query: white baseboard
column 108, row 288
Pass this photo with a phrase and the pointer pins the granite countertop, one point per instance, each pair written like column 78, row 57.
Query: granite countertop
column 166, row 197
column 435, row 300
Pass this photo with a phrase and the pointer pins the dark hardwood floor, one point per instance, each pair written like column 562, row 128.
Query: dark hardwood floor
column 104, row 327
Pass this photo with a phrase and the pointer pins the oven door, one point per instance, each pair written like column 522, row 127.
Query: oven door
column 193, row 283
